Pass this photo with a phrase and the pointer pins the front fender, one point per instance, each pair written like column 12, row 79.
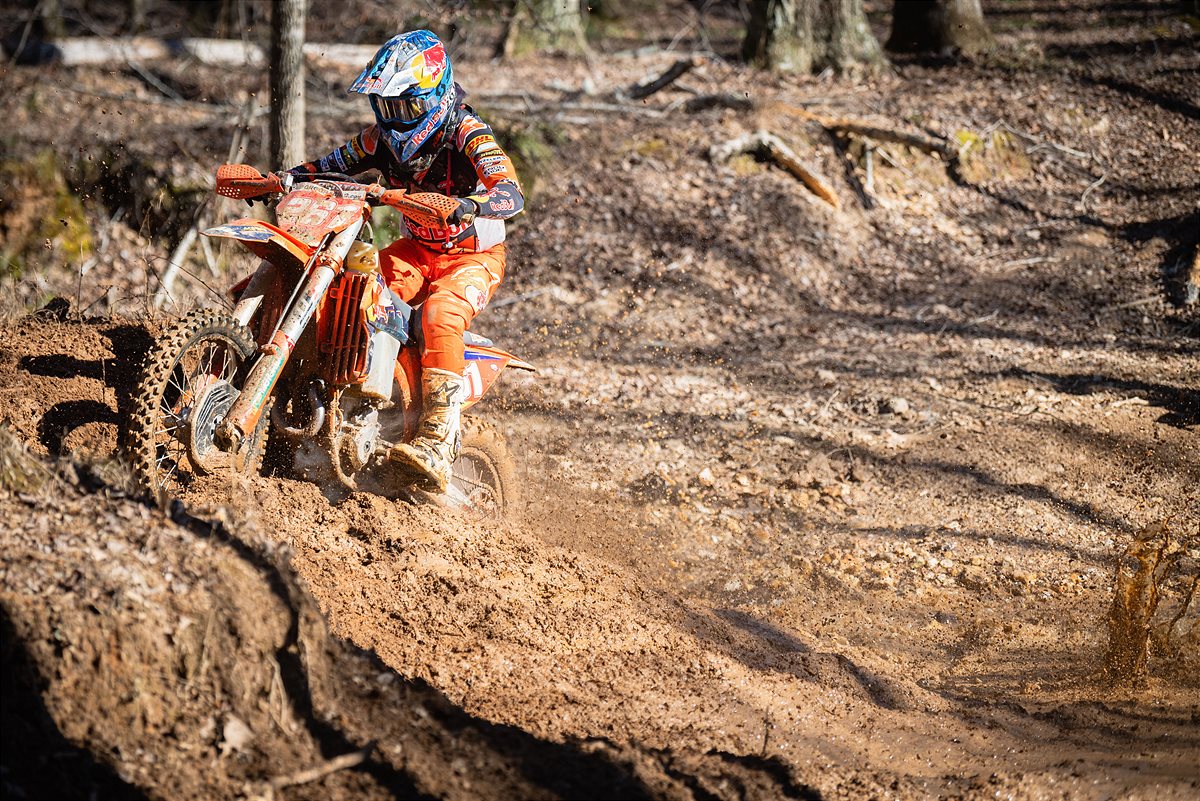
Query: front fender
column 265, row 241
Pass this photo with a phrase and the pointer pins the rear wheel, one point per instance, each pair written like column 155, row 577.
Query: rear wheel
column 483, row 478
column 190, row 380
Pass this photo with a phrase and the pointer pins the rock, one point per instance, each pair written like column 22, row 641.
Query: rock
column 818, row 472
column 706, row 478
column 859, row 472
column 973, row 578
column 236, row 735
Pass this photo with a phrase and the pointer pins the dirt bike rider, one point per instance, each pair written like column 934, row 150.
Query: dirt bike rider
column 426, row 139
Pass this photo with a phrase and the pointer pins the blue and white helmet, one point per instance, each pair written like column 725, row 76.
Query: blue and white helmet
column 411, row 88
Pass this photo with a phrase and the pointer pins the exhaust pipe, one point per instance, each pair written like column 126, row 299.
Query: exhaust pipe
column 316, row 403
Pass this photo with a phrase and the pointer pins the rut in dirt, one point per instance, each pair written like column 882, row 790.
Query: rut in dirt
column 183, row 659
column 512, row 631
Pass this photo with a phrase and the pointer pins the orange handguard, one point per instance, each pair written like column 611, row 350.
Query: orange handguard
column 429, row 209
column 243, row 182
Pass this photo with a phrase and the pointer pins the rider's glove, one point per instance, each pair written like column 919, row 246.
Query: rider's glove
column 466, row 211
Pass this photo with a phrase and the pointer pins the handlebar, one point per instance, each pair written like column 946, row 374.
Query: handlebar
column 430, row 209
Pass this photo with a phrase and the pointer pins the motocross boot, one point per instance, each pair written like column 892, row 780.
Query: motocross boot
column 439, row 436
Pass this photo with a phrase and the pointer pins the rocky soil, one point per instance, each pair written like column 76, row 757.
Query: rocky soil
column 821, row 503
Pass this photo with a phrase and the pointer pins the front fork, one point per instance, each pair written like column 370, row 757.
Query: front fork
column 243, row 416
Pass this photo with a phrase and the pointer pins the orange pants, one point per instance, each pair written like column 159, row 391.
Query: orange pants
column 453, row 287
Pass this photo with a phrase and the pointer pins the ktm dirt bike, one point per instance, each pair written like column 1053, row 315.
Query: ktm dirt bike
column 317, row 351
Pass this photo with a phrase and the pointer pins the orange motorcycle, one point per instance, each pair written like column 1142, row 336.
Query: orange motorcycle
column 316, row 351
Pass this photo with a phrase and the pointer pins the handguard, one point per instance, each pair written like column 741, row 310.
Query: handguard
column 243, row 182
column 429, row 209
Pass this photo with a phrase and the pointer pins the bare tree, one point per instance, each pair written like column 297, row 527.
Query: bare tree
column 807, row 35
column 287, row 82
column 541, row 25
column 137, row 15
column 51, row 19
column 938, row 26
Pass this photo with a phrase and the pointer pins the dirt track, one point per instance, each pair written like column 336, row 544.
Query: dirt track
column 820, row 503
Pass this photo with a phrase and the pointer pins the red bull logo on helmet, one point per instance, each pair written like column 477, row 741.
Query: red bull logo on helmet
column 416, row 59
column 429, row 65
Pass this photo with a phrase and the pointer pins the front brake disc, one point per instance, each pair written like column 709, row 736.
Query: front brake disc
column 208, row 411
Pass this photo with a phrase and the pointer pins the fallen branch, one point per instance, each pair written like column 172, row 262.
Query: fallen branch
column 350, row 760
column 1191, row 281
column 869, row 160
column 938, row 147
column 772, row 147
column 921, row 142
column 586, row 108
column 886, row 156
column 1090, row 188
column 1032, row 260
column 1132, row 304
column 178, row 257
column 704, row 102
column 841, row 148
column 673, row 73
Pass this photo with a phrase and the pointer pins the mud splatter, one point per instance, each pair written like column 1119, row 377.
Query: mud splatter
column 1151, row 622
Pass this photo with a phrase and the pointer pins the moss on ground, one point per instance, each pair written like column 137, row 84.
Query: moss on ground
column 40, row 216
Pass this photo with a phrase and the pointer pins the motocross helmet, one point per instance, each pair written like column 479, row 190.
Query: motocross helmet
column 411, row 89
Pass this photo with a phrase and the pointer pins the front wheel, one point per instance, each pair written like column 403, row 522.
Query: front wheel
column 189, row 382
column 483, row 480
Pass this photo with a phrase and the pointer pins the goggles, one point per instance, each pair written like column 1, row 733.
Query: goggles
column 403, row 109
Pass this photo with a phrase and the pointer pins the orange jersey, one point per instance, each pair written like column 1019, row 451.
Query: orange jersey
column 470, row 164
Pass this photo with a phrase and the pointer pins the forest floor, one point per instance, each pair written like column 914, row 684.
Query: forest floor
column 819, row 502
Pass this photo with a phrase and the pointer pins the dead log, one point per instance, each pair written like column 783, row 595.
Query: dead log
column 770, row 146
column 640, row 91
column 942, row 148
column 705, row 102
column 84, row 50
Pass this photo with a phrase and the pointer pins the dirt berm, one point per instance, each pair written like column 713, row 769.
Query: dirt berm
column 156, row 654
column 820, row 501
column 178, row 655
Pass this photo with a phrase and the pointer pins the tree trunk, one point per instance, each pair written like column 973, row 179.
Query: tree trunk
column 810, row 35
column 137, row 15
column 547, row 24
column 938, row 26
column 287, row 83
column 51, row 20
